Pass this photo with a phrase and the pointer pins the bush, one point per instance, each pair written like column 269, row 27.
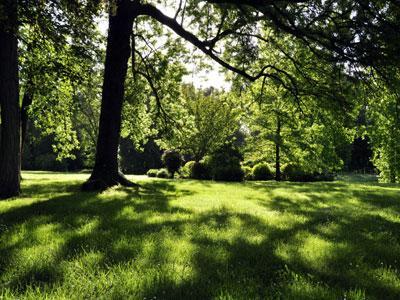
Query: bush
column 248, row 172
column 200, row 170
column 172, row 160
column 196, row 170
column 186, row 169
column 294, row 172
column 325, row 177
column 224, row 164
column 163, row 173
column 261, row 171
column 248, row 163
column 152, row 172
column 228, row 173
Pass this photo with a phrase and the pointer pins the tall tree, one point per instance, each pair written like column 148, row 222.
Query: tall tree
column 358, row 33
column 106, row 172
column 10, row 155
column 208, row 120
column 55, row 21
column 383, row 128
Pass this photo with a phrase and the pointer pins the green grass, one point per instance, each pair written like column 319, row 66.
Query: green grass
column 200, row 240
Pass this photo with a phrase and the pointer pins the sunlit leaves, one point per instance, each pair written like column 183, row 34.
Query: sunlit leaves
column 383, row 127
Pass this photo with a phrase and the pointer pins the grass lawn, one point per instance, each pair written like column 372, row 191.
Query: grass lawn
column 200, row 240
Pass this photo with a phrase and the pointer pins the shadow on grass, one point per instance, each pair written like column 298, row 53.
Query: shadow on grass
column 234, row 254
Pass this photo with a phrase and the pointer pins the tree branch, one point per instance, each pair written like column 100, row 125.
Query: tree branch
column 151, row 11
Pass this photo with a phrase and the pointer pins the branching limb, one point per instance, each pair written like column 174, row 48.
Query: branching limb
column 150, row 10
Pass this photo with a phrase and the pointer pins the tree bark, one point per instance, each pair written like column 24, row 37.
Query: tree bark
column 26, row 102
column 106, row 171
column 278, row 139
column 10, row 151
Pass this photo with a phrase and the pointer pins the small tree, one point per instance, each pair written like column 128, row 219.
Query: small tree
column 224, row 164
column 172, row 160
column 208, row 119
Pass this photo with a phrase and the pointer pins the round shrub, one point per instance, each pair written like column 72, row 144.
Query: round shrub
column 172, row 160
column 248, row 172
column 228, row 173
column 294, row 172
column 261, row 171
column 163, row 173
column 152, row 172
column 200, row 170
column 195, row 170
column 224, row 164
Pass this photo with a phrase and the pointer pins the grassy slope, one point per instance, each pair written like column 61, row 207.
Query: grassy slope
column 188, row 239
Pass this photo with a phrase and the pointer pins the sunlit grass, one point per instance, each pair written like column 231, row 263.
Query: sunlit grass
column 200, row 240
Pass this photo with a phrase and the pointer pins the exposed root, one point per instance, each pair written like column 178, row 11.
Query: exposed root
column 101, row 183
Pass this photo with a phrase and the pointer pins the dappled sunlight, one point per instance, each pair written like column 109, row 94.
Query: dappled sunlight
column 310, row 250
column 176, row 239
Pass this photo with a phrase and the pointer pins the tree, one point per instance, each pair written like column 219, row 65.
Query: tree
column 273, row 121
column 54, row 20
column 281, row 134
column 373, row 24
column 383, row 128
column 208, row 119
column 10, row 155
column 294, row 127
column 106, row 172
column 172, row 159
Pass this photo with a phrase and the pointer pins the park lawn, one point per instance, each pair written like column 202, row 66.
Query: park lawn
column 178, row 239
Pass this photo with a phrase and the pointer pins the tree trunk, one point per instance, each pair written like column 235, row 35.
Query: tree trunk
column 26, row 102
column 278, row 139
column 106, row 172
column 10, row 155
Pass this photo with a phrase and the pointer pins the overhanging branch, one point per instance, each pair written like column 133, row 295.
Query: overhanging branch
column 151, row 11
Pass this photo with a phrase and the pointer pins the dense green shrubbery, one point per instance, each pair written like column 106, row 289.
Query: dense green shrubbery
column 152, row 172
column 224, row 164
column 261, row 171
column 228, row 173
column 294, row 172
column 248, row 172
column 185, row 171
column 324, row 177
column 196, row 170
column 163, row 173
column 200, row 170
column 172, row 160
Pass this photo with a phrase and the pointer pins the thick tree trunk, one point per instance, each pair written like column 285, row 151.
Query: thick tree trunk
column 106, row 172
column 278, row 139
column 10, row 155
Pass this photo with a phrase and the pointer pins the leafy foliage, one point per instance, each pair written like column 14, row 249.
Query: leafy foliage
column 225, row 164
column 262, row 171
column 383, row 114
column 208, row 119
column 163, row 173
column 248, row 172
column 172, row 159
column 152, row 172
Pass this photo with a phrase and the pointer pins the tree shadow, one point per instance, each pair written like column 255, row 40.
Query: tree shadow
column 232, row 254
column 69, row 214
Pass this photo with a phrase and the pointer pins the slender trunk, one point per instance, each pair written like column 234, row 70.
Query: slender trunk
column 278, row 139
column 26, row 102
column 10, row 155
column 106, row 172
